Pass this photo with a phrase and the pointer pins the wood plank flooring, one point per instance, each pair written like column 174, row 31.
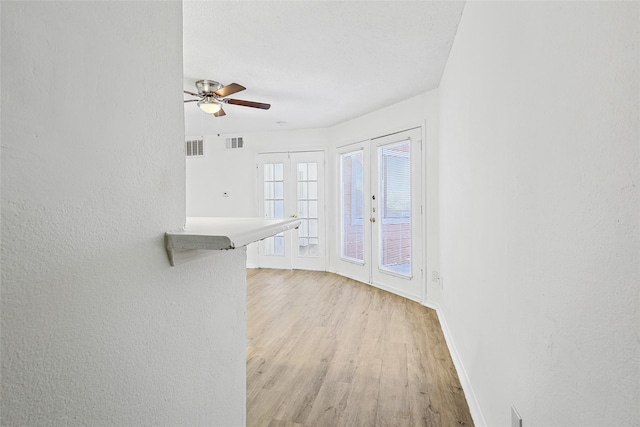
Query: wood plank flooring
column 325, row 351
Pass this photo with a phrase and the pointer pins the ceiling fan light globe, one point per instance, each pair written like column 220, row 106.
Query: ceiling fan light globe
column 209, row 107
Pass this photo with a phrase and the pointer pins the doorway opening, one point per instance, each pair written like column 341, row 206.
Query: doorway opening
column 380, row 211
column 292, row 185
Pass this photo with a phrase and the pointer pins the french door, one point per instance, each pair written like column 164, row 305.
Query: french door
column 292, row 185
column 380, row 191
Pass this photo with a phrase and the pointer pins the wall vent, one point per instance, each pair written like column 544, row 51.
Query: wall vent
column 195, row 147
column 235, row 142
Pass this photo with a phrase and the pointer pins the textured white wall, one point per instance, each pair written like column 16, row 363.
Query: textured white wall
column 539, row 143
column 97, row 329
column 219, row 171
column 234, row 171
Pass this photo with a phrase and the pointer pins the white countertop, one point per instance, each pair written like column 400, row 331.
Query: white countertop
column 216, row 233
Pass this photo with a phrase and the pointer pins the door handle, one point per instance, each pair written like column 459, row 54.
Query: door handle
column 372, row 219
column 294, row 216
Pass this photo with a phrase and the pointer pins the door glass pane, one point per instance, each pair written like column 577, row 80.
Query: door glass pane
column 307, row 197
column 279, row 171
column 279, row 209
column 394, row 164
column 313, row 228
column 278, row 192
column 268, row 190
column 302, row 190
column 313, row 171
column 268, row 208
column 351, row 206
column 302, row 172
column 313, row 209
column 313, row 191
column 303, row 209
column 274, row 204
column 268, row 172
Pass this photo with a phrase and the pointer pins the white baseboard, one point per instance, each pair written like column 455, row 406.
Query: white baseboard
column 465, row 382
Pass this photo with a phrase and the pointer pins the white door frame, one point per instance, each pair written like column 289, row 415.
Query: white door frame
column 352, row 268
column 366, row 271
column 410, row 286
column 292, row 258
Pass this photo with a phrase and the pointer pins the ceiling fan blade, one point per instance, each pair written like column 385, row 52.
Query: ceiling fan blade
column 220, row 113
column 191, row 93
column 248, row 103
column 229, row 89
column 192, row 100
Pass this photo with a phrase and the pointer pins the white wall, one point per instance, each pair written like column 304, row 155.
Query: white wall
column 97, row 329
column 234, row 171
column 221, row 170
column 539, row 144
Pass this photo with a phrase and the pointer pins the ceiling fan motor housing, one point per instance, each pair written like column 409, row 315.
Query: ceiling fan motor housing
column 207, row 86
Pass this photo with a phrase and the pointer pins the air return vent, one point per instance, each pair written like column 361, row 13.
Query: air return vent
column 235, row 142
column 195, row 147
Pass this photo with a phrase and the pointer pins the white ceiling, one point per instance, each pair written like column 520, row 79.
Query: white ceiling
column 318, row 63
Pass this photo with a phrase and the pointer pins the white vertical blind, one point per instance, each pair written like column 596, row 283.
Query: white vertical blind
column 394, row 162
column 352, row 206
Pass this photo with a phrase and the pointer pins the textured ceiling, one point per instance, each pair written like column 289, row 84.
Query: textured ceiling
column 318, row 63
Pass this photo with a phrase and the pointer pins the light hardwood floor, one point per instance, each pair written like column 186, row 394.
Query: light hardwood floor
column 324, row 350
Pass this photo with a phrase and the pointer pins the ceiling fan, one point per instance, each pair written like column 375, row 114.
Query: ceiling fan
column 211, row 97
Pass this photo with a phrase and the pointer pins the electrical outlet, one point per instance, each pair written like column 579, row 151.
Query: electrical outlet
column 435, row 276
column 516, row 420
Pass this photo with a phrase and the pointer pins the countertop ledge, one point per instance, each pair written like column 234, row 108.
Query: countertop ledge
column 201, row 235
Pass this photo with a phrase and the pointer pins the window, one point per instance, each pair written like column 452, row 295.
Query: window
column 395, row 184
column 308, row 209
column 352, row 206
column 274, row 204
column 395, row 205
